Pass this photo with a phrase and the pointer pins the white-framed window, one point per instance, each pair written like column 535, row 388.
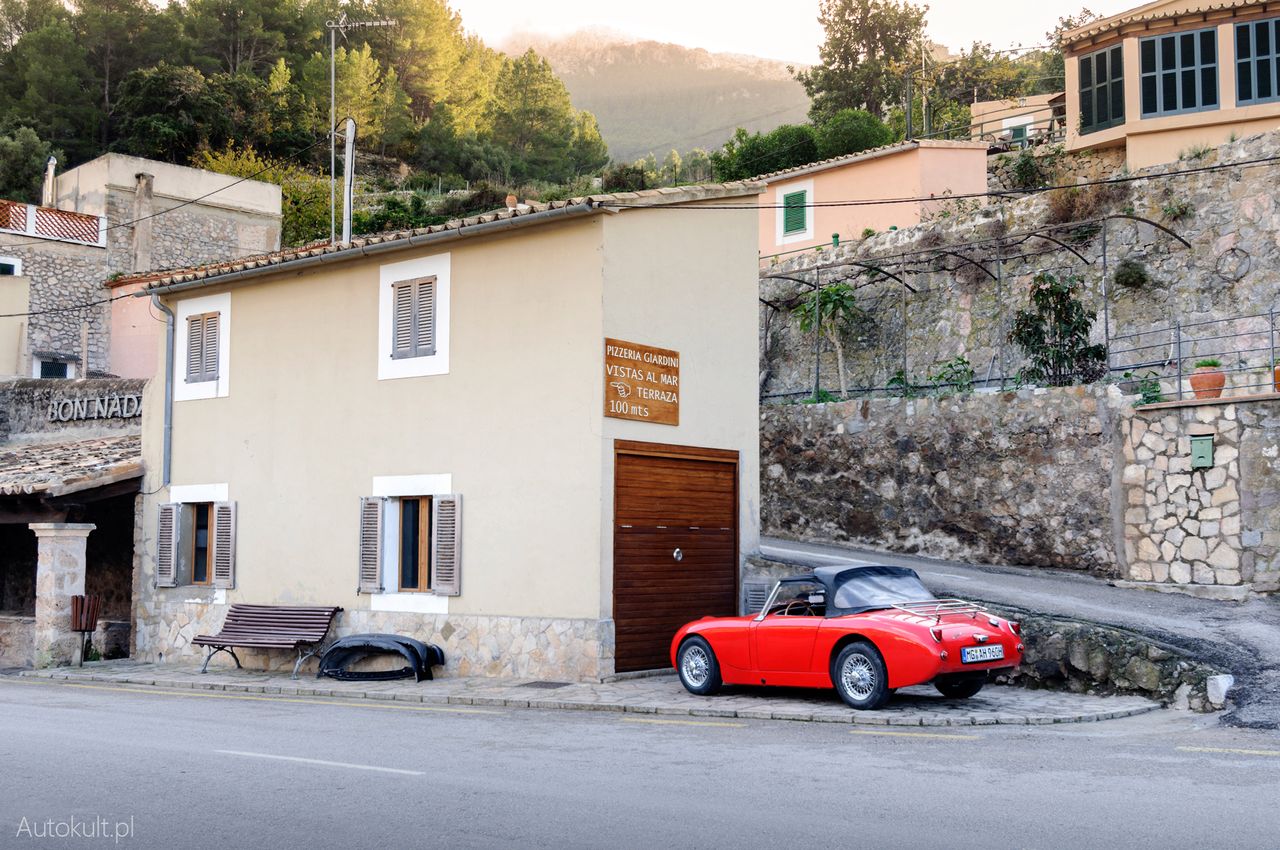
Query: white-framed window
column 794, row 212
column 413, row 318
column 202, row 347
column 10, row 266
column 52, row 367
column 196, row 538
column 409, row 552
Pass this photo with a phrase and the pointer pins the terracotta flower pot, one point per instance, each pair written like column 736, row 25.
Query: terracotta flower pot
column 1208, row 382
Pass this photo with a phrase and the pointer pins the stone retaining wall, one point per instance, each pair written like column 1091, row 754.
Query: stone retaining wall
column 1006, row 478
column 17, row 640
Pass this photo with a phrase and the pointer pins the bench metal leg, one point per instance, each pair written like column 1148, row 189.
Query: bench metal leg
column 303, row 657
column 204, row 668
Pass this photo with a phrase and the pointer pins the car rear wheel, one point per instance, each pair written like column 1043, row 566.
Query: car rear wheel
column 698, row 668
column 860, row 676
column 959, row 687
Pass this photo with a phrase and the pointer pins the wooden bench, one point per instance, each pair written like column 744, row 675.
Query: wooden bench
column 270, row 627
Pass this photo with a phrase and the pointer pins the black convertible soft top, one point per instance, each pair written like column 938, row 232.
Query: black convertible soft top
column 856, row 590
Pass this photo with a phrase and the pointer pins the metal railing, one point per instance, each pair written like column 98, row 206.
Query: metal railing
column 1243, row 346
column 1045, row 125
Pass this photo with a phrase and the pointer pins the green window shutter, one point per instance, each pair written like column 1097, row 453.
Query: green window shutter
column 794, row 213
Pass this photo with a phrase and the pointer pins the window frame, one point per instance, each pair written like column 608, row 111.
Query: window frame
column 390, row 368
column 203, row 375
column 1179, row 70
column 194, row 508
column 1114, row 118
column 15, row 262
column 425, row 518
column 788, row 206
column 1252, row 59
column 68, row 369
column 416, row 347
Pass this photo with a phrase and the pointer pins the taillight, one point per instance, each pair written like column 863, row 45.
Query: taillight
column 937, row 634
column 1016, row 628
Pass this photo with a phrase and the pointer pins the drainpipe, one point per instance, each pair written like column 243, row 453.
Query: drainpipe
column 168, row 385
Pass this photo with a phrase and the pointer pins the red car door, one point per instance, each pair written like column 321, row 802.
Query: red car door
column 783, row 648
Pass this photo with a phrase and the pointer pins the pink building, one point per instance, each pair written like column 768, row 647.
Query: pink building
column 790, row 221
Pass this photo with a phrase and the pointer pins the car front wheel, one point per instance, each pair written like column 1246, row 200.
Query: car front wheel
column 959, row 687
column 698, row 668
column 860, row 676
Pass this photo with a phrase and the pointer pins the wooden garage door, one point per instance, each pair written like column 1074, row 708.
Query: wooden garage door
column 670, row 499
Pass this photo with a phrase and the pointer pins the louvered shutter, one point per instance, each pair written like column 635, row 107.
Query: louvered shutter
column 209, row 357
column 370, row 572
column 195, row 348
column 167, row 546
column 425, row 314
column 754, row 595
column 793, row 213
column 224, row 544
column 446, row 544
column 402, row 320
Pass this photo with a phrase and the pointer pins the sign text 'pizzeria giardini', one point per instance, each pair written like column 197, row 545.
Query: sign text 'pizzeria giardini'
column 641, row 382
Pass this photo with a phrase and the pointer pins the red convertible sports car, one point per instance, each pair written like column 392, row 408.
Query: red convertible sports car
column 864, row 630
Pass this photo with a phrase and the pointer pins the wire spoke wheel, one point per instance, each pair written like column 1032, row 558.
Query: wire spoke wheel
column 859, row 676
column 695, row 666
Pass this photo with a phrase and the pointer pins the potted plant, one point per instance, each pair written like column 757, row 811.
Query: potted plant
column 1207, row 380
column 1276, row 375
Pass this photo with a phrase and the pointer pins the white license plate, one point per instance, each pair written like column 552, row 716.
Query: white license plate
column 976, row 654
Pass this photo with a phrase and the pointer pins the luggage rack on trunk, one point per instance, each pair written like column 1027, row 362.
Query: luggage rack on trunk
column 939, row 608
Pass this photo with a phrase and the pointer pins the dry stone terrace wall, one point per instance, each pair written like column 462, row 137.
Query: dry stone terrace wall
column 1218, row 525
column 1005, row 478
column 1232, row 221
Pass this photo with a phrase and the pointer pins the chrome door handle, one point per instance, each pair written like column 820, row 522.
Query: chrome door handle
column 678, row 555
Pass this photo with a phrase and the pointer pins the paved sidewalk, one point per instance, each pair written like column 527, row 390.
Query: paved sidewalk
column 920, row 706
column 1240, row 638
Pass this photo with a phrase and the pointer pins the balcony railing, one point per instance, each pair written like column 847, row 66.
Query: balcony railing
column 58, row 225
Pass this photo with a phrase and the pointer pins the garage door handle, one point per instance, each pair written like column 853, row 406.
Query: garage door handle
column 678, row 555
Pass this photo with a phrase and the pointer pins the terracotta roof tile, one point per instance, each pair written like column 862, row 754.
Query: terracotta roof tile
column 55, row 469
column 1151, row 12
column 871, row 153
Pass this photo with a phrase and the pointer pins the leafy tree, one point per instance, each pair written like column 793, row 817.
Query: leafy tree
column 533, row 118
column 697, row 166
column 19, row 17
column 168, row 113
column 625, row 178
column 863, row 60
column 588, row 152
column 392, row 113
column 427, row 48
column 1053, row 333
column 832, row 310
column 747, row 155
column 117, row 38
column 23, row 155
column 238, row 36
column 850, row 131
column 44, row 86
column 305, row 194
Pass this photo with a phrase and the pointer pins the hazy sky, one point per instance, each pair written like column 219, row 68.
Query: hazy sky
column 787, row 30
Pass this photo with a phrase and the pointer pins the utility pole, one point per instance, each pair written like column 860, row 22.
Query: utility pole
column 341, row 25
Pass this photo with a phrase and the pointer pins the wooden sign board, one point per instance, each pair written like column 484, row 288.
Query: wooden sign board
column 641, row 382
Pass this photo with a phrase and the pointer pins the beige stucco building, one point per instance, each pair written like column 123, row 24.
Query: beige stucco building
column 812, row 205
column 1170, row 78
column 416, row 427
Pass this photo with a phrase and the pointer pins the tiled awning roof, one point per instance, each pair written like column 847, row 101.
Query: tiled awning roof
column 56, row 469
column 1158, row 11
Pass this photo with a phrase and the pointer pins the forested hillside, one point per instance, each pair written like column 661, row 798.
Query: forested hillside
column 651, row 97
column 236, row 84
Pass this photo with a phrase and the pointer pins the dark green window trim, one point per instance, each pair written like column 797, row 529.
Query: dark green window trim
column 1258, row 62
column 1102, row 89
column 795, row 213
column 1179, row 73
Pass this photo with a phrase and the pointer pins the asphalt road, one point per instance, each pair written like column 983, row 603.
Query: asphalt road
column 209, row 770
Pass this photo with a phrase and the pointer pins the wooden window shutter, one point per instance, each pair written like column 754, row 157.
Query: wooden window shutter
column 425, row 314
column 446, row 545
column 794, row 213
column 370, row 573
column 167, row 546
column 224, row 544
column 195, row 348
column 402, row 320
column 209, row 358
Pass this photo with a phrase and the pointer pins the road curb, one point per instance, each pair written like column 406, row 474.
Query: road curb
column 710, row 711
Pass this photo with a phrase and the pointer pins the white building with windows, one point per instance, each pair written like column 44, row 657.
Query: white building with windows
column 529, row 437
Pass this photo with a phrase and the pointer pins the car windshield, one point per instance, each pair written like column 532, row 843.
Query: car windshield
column 799, row 599
column 870, row 589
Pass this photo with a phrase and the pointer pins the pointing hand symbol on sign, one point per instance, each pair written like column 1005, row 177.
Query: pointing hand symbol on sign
column 623, row 389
